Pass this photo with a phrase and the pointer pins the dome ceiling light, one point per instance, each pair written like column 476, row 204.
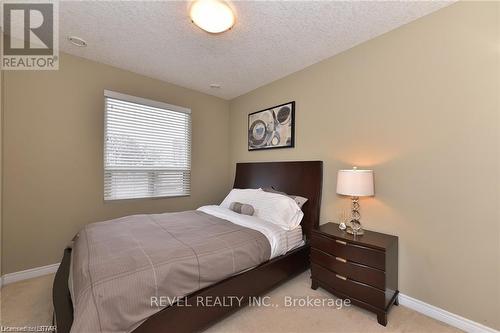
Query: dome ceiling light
column 213, row 16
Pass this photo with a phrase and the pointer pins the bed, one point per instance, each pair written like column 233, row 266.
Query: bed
column 300, row 178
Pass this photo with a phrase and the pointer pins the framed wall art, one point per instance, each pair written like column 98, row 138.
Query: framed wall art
column 272, row 128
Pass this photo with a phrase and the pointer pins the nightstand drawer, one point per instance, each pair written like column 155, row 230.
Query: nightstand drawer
column 358, row 272
column 356, row 253
column 349, row 287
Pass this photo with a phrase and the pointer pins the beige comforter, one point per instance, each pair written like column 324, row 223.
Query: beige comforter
column 119, row 265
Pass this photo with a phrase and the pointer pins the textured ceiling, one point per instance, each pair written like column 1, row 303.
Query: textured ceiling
column 270, row 39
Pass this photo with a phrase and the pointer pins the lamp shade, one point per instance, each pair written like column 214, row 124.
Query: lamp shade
column 356, row 183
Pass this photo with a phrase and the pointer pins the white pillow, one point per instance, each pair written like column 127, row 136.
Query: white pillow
column 275, row 208
column 240, row 195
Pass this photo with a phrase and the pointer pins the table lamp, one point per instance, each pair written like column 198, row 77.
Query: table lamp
column 355, row 183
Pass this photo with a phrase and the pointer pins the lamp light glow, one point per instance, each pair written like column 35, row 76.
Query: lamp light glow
column 213, row 16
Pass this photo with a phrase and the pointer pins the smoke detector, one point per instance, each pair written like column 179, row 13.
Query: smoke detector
column 77, row 41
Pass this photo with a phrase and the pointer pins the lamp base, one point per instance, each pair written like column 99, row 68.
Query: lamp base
column 355, row 228
column 359, row 232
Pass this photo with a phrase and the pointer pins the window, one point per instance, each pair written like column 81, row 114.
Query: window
column 147, row 148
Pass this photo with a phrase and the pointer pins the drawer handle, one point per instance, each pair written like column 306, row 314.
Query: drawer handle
column 341, row 277
column 341, row 242
column 340, row 259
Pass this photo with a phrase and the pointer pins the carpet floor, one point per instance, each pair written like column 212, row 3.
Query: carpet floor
column 28, row 303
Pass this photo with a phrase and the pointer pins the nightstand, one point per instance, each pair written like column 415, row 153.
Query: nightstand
column 363, row 269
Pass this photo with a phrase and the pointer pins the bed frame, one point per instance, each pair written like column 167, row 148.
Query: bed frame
column 303, row 178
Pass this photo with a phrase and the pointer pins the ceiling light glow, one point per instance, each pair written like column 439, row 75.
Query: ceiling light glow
column 214, row 16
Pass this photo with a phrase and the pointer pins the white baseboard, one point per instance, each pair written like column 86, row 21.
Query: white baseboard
column 432, row 311
column 451, row 319
column 28, row 274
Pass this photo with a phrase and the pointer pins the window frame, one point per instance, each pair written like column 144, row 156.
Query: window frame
column 150, row 103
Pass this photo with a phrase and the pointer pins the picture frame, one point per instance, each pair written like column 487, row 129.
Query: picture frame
column 272, row 128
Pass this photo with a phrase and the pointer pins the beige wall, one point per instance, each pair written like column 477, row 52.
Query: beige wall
column 53, row 155
column 420, row 106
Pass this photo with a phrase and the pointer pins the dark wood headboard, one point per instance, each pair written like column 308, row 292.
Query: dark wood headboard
column 304, row 178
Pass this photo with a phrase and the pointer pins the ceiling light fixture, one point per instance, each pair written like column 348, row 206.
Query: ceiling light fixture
column 214, row 16
column 215, row 86
column 77, row 41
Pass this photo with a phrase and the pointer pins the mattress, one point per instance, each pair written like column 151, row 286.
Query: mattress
column 282, row 241
column 294, row 239
column 101, row 254
column 120, row 266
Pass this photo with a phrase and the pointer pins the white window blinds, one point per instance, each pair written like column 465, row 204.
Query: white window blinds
column 147, row 148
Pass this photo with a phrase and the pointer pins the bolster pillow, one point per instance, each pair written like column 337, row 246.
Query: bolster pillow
column 241, row 208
